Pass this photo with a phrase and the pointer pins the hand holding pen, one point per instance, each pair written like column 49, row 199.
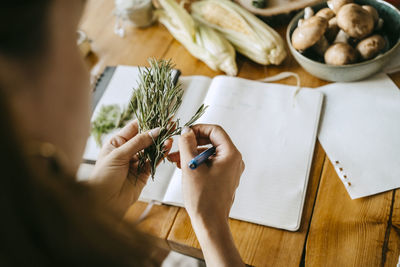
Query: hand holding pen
column 216, row 181
column 209, row 189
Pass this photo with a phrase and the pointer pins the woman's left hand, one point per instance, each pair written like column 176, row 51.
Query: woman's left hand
column 116, row 180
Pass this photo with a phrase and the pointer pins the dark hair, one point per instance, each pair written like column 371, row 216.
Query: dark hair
column 47, row 218
column 23, row 27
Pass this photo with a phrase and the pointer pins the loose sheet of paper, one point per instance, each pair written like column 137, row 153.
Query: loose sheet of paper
column 276, row 136
column 360, row 132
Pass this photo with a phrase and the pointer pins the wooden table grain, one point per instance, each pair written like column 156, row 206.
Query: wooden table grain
column 335, row 230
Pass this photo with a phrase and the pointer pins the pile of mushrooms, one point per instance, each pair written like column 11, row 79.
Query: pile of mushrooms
column 343, row 33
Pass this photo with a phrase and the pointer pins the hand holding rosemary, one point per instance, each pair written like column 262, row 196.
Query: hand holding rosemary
column 154, row 103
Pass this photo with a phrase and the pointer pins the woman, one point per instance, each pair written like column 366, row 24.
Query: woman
column 47, row 218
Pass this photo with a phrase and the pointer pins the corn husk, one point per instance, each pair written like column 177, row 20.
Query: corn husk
column 248, row 34
column 201, row 41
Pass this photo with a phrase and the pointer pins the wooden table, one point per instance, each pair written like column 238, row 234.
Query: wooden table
column 335, row 230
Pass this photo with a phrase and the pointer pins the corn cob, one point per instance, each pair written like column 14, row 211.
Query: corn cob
column 248, row 34
column 222, row 52
column 201, row 41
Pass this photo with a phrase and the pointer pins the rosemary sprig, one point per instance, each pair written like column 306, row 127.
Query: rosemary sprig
column 157, row 100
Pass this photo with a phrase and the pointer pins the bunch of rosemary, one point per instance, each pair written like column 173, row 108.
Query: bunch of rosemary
column 157, row 100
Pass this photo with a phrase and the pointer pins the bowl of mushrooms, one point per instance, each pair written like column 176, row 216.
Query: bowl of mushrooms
column 345, row 40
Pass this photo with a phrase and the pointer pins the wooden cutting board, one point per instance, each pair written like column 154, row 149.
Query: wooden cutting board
column 277, row 7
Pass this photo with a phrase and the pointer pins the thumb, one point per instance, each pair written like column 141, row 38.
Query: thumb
column 187, row 145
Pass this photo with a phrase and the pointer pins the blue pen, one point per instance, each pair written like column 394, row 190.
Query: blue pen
column 202, row 157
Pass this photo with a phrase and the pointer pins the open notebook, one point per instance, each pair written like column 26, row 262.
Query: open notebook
column 274, row 131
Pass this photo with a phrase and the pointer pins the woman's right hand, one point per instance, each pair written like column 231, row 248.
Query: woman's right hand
column 209, row 190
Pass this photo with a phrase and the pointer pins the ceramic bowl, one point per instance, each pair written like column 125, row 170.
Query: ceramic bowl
column 352, row 72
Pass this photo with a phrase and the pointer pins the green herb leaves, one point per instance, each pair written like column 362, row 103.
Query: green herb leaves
column 111, row 117
column 157, row 100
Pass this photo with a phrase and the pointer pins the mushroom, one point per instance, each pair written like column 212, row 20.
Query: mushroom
column 355, row 21
column 342, row 37
column 340, row 54
column 325, row 13
column 308, row 13
column 321, row 46
column 371, row 46
column 378, row 22
column 373, row 12
column 333, row 29
column 309, row 33
column 335, row 5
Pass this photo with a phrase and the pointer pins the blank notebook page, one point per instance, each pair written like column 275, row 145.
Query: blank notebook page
column 276, row 135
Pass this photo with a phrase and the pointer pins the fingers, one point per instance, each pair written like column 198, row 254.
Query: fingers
column 125, row 134
column 137, row 143
column 127, row 142
column 141, row 177
column 203, row 141
column 176, row 157
column 167, row 148
column 215, row 135
column 187, row 145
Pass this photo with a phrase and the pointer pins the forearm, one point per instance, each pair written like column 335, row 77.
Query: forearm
column 216, row 241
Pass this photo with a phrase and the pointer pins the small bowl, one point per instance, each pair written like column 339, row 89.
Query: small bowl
column 358, row 71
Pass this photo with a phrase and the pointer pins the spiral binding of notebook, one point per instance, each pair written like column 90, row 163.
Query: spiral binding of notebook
column 100, row 83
